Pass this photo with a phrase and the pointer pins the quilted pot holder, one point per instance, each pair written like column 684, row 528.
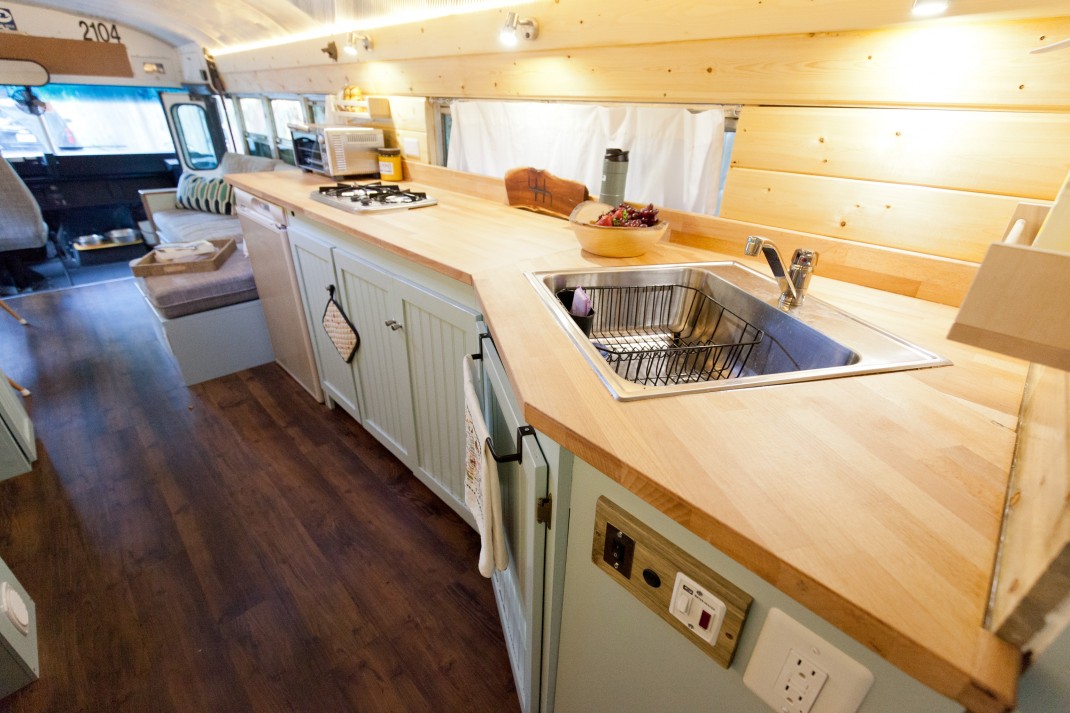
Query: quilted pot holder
column 339, row 329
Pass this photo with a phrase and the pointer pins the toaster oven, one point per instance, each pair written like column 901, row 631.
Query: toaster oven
column 337, row 151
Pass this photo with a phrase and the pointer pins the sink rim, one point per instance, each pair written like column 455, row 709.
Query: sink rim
column 812, row 310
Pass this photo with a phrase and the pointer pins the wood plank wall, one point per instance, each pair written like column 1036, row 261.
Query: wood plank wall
column 900, row 152
column 941, row 183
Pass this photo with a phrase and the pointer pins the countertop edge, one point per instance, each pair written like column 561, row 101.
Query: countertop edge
column 989, row 686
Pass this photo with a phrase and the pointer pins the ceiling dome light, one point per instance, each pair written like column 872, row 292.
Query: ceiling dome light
column 929, row 8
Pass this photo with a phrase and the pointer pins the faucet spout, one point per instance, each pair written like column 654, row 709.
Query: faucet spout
column 794, row 281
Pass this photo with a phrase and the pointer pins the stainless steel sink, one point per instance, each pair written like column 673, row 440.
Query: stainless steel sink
column 671, row 329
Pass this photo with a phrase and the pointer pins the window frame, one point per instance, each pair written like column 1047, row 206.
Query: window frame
column 44, row 125
column 269, row 139
column 182, row 145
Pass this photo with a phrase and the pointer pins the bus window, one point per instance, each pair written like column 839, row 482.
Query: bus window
column 225, row 108
column 195, row 143
column 21, row 133
column 318, row 110
column 258, row 133
column 82, row 119
column 283, row 112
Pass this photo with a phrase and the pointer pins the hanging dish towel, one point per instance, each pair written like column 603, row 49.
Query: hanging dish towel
column 482, row 493
column 339, row 329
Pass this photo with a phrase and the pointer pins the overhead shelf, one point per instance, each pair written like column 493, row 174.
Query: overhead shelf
column 351, row 111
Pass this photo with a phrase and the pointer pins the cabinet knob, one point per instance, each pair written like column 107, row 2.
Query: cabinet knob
column 395, row 326
column 389, row 323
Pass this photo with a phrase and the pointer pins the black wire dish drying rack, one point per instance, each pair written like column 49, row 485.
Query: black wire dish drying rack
column 658, row 335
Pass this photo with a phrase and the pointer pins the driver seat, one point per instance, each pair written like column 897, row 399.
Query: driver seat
column 21, row 226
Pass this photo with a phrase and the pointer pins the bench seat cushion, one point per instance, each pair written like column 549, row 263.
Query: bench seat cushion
column 191, row 292
column 179, row 225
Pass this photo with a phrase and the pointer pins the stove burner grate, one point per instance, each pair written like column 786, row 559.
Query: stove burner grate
column 378, row 196
column 370, row 193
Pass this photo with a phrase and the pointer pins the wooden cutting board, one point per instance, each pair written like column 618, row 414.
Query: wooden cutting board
column 543, row 192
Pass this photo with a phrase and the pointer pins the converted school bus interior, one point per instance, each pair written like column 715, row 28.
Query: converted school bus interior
column 230, row 507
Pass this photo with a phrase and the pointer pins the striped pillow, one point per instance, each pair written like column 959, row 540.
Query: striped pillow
column 210, row 195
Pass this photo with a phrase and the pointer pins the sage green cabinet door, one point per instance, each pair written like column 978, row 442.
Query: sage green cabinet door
column 519, row 589
column 438, row 334
column 18, row 448
column 372, row 302
column 314, row 263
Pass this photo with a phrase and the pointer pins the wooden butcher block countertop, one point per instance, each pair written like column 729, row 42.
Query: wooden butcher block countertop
column 875, row 501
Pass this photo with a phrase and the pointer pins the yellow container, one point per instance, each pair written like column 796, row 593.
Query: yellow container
column 390, row 164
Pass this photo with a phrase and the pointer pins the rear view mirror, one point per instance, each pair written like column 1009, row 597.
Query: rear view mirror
column 22, row 73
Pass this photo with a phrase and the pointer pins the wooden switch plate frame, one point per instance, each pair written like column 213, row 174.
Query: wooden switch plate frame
column 654, row 552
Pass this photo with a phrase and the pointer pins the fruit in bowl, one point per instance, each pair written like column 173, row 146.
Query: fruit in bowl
column 626, row 216
column 616, row 231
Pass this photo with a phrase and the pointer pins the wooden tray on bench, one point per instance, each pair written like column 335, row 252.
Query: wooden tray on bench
column 149, row 266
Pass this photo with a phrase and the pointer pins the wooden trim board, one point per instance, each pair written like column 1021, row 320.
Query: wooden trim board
column 1017, row 305
column 1033, row 575
column 61, row 56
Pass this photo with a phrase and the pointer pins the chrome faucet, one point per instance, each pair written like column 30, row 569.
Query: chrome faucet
column 793, row 282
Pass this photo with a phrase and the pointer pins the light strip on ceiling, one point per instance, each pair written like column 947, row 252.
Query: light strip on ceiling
column 344, row 28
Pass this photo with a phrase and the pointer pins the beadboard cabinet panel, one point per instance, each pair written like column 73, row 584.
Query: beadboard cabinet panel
column 380, row 366
column 438, row 334
column 314, row 265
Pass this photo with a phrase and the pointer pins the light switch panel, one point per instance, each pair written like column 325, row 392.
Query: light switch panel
column 698, row 609
column 702, row 605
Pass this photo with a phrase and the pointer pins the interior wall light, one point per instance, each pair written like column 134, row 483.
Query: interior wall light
column 331, row 50
column 516, row 26
column 357, row 40
column 929, row 8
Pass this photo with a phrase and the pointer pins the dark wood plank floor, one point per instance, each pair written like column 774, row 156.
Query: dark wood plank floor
column 229, row 547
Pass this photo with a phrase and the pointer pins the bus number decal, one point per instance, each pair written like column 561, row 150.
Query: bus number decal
column 7, row 20
column 99, row 31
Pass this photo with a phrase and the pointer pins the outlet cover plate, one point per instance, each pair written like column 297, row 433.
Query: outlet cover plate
column 658, row 559
column 781, row 636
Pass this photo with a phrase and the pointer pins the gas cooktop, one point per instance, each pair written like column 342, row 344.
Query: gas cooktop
column 370, row 197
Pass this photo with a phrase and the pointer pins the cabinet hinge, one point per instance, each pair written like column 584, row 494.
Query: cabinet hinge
column 544, row 509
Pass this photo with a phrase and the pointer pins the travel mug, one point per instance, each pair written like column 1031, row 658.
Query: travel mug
column 614, row 175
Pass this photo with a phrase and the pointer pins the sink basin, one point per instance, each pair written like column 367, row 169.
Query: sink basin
column 671, row 329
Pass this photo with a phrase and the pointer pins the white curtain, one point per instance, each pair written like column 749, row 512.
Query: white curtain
column 674, row 160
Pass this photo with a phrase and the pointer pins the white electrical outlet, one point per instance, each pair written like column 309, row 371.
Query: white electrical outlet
column 796, row 671
column 799, row 683
column 410, row 147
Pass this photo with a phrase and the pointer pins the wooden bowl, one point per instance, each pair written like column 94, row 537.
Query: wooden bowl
column 608, row 241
